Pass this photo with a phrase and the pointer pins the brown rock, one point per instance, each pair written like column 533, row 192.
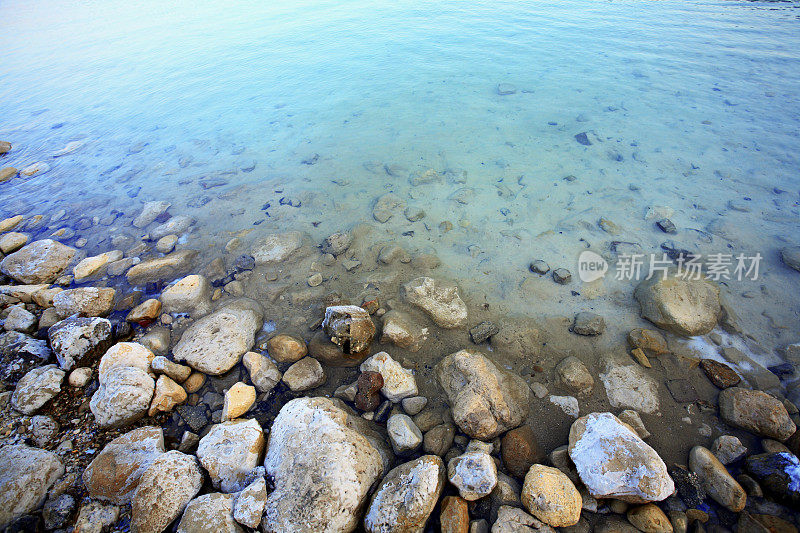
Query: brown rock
column 349, row 327
column 757, row 412
column 368, row 396
column 145, row 313
column 454, row 515
column 7, row 173
column 520, row 450
column 286, row 348
column 322, row 349
column 720, row 374
column 652, row 342
column 650, row 519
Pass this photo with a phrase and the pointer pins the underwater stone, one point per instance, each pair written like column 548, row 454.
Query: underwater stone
column 439, row 300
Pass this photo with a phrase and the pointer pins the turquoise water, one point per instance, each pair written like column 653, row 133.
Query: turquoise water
column 692, row 105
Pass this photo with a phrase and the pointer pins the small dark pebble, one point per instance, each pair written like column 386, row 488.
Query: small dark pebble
column 383, row 411
column 782, row 370
column 483, row 331
column 562, row 276
column 688, row 484
column 583, row 139
column 539, row 267
column 667, row 226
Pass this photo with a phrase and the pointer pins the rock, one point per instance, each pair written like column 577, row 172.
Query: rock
column 474, row 474
column 167, row 396
column 414, row 405
column 791, row 257
column 323, row 466
column 485, row 401
column 483, row 331
column 404, row 435
column 36, row 388
column 690, row 489
column 13, row 241
column 114, row 474
column 650, row 341
column 6, row 173
column 402, row 331
column 286, row 348
column 683, row 306
column 439, row 439
column 80, row 341
column 166, row 244
column 10, row 223
column 161, row 268
column 92, row 265
column 210, row 512
column 454, row 516
column 632, row 418
column 520, row 450
column 385, row 207
column 84, row 301
column 5, row 147
column 573, row 374
column 276, row 247
column 238, row 400
column 23, row 293
column 568, row 404
column 43, row 430
column 628, row 387
column 413, row 213
column 26, row 476
column 230, row 451
column 337, row 243
column 56, row 512
column 369, row 385
column 80, row 377
column 667, row 226
column 562, row 276
column 174, row 226
column 38, row 262
column 123, row 396
column 757, row 412
column 539, row 267
column 125, row 354
column 515, row 520
column 349, row 327
column 440, row 301
column 649, row 519
column 96, row 517
column 398, row 382
column 406, row 497
column 588, row 324
column 263, row 373
column 191, row 294
column 176, row 372
column 216, row 342
column 150, row 212
column 613, row 462
column 249, row 503
column 20, row 319
column 164, row 489
column 728, row 449
column 716, row 480
column 194, row 382
column 720, row 374
column 306, row 374
column 779, row 475
column 550, row 496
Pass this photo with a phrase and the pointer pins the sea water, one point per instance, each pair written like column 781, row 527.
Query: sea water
column 277, row 116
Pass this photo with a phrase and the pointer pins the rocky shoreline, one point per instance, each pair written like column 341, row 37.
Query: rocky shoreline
column 290, row 385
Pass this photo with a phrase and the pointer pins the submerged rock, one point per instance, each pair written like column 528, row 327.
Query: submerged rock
column 349, row 327
column 276, row 247
column 402, row 331
column 191, row 294
column 38, row 262
column 684, row 306
column 164, row 268
column 628, row 387
column 286, row 348
column 613, row 462
column 150, row 212
column 485, row 400
column 573, row 374
column 440, row 301
column 84, row 301
column 26, row 476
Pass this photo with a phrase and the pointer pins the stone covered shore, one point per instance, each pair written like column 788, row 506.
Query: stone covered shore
column 344, row 385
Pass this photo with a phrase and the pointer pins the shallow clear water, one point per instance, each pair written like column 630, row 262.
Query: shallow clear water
column 690, row 105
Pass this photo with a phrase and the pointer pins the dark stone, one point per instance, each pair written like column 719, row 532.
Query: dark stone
column 483, row 331
column 19, row 353
column 778, row 474
column 720, row 374
column 750, row 486
column 383, row 411
column 368, row 396
column 194, row 416
column 682, row 390
column 688, row 484
column 588, row 324
column 583, row 139
column 667, row 226
column 213, row 182
column 55, row 513
column 562, row 276
column 198, row 201
column 520, row 449
column 25, row 524
column 244, row 262
column 539, row 267
column 782, row 370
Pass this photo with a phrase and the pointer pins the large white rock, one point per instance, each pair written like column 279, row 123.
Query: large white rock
column 485, row 400
column 628, row 387
column 25, row 477
column 38, row 262
column 164, row 489
column 613, row 462
column 84, row 301
column 216, row 342
column 323, row 468
column 440, row 301
column 276, row 247
column 210, row 512
column 78, row 341
column 406, row 497
column 36, row 388
column 398, row 382
column 230, row 451
column 123, row 396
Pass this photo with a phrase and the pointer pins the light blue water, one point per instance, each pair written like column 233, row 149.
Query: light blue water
column 689, row 104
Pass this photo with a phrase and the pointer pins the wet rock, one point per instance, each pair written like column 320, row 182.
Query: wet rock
column 483, row 331
column 439, row 439
column 588, row 324
column 406, row 497
column 385, row 207
column 123, row 396
column 305, row 374
column 684, row 306
column 230, row 451
column 176, row 372
column 720, row 374
column 414, row 405
column 414, row 214
column 125, row 354
column 520, row 450
column 114, row 474
column 26, row 476
column 779, row 475
column 20, row 319
column 613, row 462
column 80, row 377
column 92, row 265
column 38, row 262
column 368, row 396
column 404, row 435
column 161, row 269
column 440, row 301
column 167, row 396
column 216, row 342
column 84, row 301
column 791, row 257
column 562, row 276
column 454, row 516
column 474, row 474
column 728, row 449
column 11, row 242
column 628, row 387
column 757, row 412
column 210, row 512
column 150, row 212
column 80, row 341
column 191, row 294
column 323, row 466
column 56, row 512
column 349, row 327
column 573, row 374
column 402, row 331
column 286, row 348
column 263, row 373
column 276, row 247
column 649, row 518
column 550, row 496
column 485, row 400
column 36, row 388
column 238, row 400
column 249, row 503
column 6, row 173
column 337, row 243
column 398, row 382
column 716, row 480
column 689, row 486
column 166, row 244
column 163, row 491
